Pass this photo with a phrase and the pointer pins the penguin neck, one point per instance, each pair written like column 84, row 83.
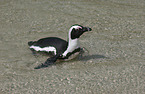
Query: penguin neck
column 72, row 45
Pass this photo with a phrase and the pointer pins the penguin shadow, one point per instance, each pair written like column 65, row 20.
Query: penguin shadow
column 85, row 56
column 81, row 58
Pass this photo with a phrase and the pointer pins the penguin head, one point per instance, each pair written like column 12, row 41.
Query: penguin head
column 77, row 30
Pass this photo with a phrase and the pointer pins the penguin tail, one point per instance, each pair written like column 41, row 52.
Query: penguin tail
column 30, row 43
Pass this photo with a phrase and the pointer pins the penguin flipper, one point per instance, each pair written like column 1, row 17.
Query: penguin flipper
column 49, row 62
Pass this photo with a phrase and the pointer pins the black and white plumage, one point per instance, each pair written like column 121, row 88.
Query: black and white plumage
column 60, row 48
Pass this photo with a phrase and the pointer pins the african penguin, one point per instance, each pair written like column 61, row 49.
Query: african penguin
column 59, row 48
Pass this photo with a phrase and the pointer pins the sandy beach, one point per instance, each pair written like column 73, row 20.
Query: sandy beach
column 114, row 62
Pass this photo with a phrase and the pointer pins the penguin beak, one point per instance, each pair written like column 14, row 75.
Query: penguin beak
column 85, row 29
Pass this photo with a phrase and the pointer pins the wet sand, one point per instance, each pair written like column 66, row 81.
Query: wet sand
column 113, row 64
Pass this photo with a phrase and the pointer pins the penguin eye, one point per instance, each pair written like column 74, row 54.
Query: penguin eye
column 80, row 29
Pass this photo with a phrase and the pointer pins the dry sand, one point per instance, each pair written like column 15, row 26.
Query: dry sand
column 115, row 61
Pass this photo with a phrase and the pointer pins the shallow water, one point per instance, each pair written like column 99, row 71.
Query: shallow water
column 113, row 64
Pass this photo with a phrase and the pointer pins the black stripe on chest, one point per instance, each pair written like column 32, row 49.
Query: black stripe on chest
column 71, row 53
